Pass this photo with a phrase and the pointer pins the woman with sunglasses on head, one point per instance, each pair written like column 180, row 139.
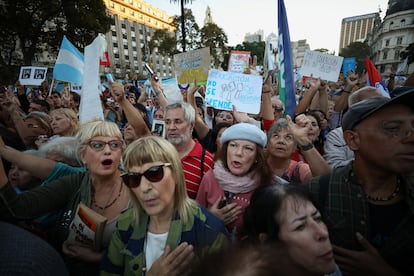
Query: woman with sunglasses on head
column 165, row 230
column 100, row 187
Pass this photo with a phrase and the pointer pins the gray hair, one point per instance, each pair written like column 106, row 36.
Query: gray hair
column 362, row 94
column 188, row 109
column 67, row 147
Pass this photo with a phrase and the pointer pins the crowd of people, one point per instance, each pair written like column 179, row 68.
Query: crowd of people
column 186, row 189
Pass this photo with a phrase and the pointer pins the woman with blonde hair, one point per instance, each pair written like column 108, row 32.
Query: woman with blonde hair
column 165, row 229
column 100, row 188
column 65, row 122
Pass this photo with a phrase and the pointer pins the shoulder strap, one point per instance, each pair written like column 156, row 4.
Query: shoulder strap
column 203, row 154
column 323, row 191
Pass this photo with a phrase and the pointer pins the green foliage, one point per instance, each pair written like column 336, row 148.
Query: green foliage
column 359, row 50
column 164, row 41
column 192, row 30
column 37, row 26
column 215, row 38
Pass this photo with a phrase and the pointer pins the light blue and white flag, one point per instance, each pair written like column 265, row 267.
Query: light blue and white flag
column 287, row 92
column 69, row 63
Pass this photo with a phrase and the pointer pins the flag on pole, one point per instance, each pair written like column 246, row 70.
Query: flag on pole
column 375, row 79
column 287, row 91
column 69, row 63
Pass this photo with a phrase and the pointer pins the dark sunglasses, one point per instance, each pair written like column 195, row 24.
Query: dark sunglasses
column 153, row 174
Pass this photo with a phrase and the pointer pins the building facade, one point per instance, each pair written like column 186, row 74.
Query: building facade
column 392, row 36
column 356, row 28
column 135, row 23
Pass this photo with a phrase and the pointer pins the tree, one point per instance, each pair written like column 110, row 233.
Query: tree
column 164, row 41
column 183, row 29
column 30, row 27
column 192, row 31
column 359, row 50
column 215, row 38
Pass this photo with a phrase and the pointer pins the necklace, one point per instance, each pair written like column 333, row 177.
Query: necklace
column 107, row 204
column 388, row 198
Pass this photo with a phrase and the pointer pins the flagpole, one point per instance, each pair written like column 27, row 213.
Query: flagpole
column 51, row 87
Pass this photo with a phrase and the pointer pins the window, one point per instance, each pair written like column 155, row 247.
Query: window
column 397, row 54
column 387, row 42
column 402, row 23
column 391, row 24
column 384, row 55
column 399, row 40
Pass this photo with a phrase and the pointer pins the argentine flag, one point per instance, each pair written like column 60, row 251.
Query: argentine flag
column 69, row 63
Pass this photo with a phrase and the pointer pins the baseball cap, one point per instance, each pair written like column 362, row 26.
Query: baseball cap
column 359, row 111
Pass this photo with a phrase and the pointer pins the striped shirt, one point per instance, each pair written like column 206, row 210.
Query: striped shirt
column 191, row 164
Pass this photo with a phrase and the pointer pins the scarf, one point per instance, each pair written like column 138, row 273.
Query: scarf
column 235, row 184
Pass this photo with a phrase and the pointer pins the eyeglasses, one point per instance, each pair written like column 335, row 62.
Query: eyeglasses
column 153, row 174
column 278, row 108
column 98, row 145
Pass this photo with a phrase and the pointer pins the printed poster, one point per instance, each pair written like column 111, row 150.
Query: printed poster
column 32, row 75
column 238, row 61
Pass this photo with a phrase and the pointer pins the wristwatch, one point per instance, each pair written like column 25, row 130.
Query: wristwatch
column 306, row 147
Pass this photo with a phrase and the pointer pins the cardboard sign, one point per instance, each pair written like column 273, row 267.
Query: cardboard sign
column 192, row 65
column 31, row 75
column 225, row 89
column 349, row 64
column 320, row 65
column 238, row 61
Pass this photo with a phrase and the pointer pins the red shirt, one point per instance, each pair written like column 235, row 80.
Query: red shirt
column 191, row 164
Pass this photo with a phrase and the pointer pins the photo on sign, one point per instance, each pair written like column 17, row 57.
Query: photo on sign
column 158, row 128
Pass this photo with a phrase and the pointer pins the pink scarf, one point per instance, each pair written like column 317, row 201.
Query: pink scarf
column 235, row 184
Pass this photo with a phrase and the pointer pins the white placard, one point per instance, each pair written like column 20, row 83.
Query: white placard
column 31, row 75
column 320, row 65
column 158, row 128
column 225, row 89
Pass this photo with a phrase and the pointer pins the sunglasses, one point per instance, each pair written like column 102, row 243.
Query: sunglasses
column 153, row 174
column 98, row 145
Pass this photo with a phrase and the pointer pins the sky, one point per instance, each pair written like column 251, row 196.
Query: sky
column 317, row 21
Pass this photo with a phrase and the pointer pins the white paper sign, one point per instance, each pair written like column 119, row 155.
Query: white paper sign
column 320, row 65
column 225, row 89
column 31, row 75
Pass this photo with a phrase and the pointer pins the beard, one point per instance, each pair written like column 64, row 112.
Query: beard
column 182, row 138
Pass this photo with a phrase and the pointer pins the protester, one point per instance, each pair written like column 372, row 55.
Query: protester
column 100, row 187
column 281, row 144
column 287, row 214
column 240, row 169
column 65, row 122
column 371, row 230
column 196, row 161
column 165, row 229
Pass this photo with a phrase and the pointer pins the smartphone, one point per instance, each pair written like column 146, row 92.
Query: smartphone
column 150, row 71
column 109, row 77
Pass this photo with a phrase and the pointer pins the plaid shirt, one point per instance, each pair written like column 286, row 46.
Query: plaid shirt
column 346, row 211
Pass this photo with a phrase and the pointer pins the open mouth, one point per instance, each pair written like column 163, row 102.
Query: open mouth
column 107, row 162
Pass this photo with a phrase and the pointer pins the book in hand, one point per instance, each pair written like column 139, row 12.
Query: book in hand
column 86, row 228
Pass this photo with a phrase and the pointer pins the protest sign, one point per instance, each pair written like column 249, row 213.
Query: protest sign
column 349, row 64
column 238, row 61
column 320, row 65
column 192, row 65
column 31, row 75
column 225, row 89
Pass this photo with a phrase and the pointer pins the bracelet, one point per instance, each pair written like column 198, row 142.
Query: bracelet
column 306, row 147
